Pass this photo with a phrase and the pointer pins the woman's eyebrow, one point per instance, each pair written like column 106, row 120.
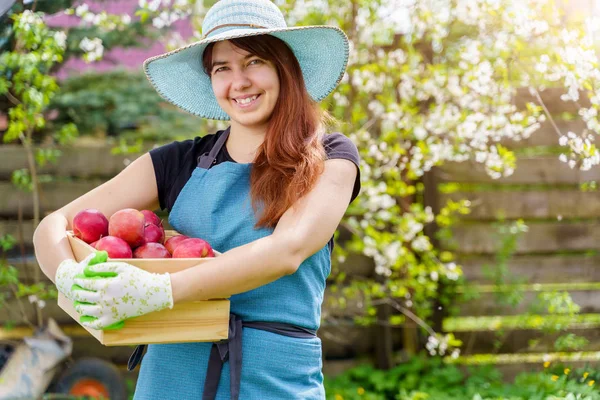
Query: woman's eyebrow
column 217, row 63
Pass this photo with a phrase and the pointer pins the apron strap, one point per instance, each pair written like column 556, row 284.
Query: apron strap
column 231, row 350
column 206, row 160
column 136, row 357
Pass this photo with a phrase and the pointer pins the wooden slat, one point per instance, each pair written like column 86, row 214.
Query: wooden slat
column 546, row 135
column 518, row 341
column 488, row 205
column 548, row 237
column 346, row 340
column 81, row 162
column 12, row 227
column 26, row 267
column 357, row 265
column 552, row 100
column 332, row 309
column 53, row 195
column 196, row 321
column 51, row 310
column 539, row 170
column 487, row 303
column 538, row 268
column 513, row 322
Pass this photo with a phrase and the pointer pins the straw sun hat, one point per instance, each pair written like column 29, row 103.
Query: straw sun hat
column 179, row 77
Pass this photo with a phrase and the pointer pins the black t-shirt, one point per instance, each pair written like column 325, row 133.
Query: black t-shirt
column 175, row 162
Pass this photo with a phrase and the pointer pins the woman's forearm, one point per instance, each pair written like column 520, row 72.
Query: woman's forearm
column 235, row 271
column 51, row 244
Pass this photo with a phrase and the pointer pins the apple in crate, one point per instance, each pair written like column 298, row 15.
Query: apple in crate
column 151, row 218
column 115, row 247
column 151, row 250
column 174, row 241
column 90, row 225
column 128, row 224
column 193, row 248
column 154, row 234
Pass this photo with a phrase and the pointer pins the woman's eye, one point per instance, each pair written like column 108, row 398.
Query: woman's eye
column 219, row 69
column 255, row 61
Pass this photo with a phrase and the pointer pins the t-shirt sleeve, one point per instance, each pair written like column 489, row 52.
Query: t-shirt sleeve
column 337, row 145
column 168, row 162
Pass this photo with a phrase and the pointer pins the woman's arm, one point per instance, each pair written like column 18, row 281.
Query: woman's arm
column 302, row 230
column 134, row 187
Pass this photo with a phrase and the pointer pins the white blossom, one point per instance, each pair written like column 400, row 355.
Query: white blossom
column 93, row 48
column 60, row 37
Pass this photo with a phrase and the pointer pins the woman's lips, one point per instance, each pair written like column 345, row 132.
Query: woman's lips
column 247, row 105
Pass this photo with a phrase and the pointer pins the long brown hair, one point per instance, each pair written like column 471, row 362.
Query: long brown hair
column 292, row 156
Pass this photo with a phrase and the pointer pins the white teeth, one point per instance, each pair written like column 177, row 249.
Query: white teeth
column 247, row 100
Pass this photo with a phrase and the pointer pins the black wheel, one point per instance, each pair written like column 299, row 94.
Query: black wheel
column 92, row 378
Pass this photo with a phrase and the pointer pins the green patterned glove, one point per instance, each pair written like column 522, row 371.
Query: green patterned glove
column 67, row 271
column 111, row 292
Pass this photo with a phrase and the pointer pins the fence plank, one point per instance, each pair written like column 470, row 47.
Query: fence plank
column 537, row 268
column 489, row 205
column 480, row 238
column 81, row 162
column 487, row 303
column 533, row 170
column 12, row 227
column 551, row 99
column 546, row 135
column 53, row 195
column 519, row 340
column 11, row 312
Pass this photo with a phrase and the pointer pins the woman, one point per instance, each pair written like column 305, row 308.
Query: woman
column 268, row 192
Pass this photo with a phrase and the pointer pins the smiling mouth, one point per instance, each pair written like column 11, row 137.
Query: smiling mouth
column 247, row 100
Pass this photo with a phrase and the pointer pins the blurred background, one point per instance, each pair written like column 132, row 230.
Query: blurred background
column 468, row 268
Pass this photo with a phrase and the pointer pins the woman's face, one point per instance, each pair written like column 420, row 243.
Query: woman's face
column 246, row 86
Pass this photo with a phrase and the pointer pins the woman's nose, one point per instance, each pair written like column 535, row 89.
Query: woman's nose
column 240, row 80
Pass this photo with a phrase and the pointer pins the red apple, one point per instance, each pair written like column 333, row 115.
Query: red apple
column 151, row 218
column 174, row 241
column 90, row 225
column 115, row 247
column 151, row 250
column 128, row 224
column 94, row 244
column 193, row 248
column 154, row 234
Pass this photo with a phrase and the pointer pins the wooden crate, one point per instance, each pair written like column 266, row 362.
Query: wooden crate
column 197, row 321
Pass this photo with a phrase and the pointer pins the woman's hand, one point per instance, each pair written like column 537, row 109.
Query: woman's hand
column 67, row 271
column 111, row 292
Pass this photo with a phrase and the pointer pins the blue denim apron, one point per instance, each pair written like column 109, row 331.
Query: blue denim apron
column 281, row 356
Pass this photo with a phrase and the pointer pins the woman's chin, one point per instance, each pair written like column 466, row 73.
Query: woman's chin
column 250, row 120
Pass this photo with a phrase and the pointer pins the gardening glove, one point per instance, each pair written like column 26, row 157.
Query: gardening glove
column 66, row 273
column 110, row 292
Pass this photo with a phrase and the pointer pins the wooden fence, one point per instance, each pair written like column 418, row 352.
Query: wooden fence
column 559, row 252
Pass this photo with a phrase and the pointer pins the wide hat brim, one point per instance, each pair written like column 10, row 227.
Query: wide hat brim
column 179, row 77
